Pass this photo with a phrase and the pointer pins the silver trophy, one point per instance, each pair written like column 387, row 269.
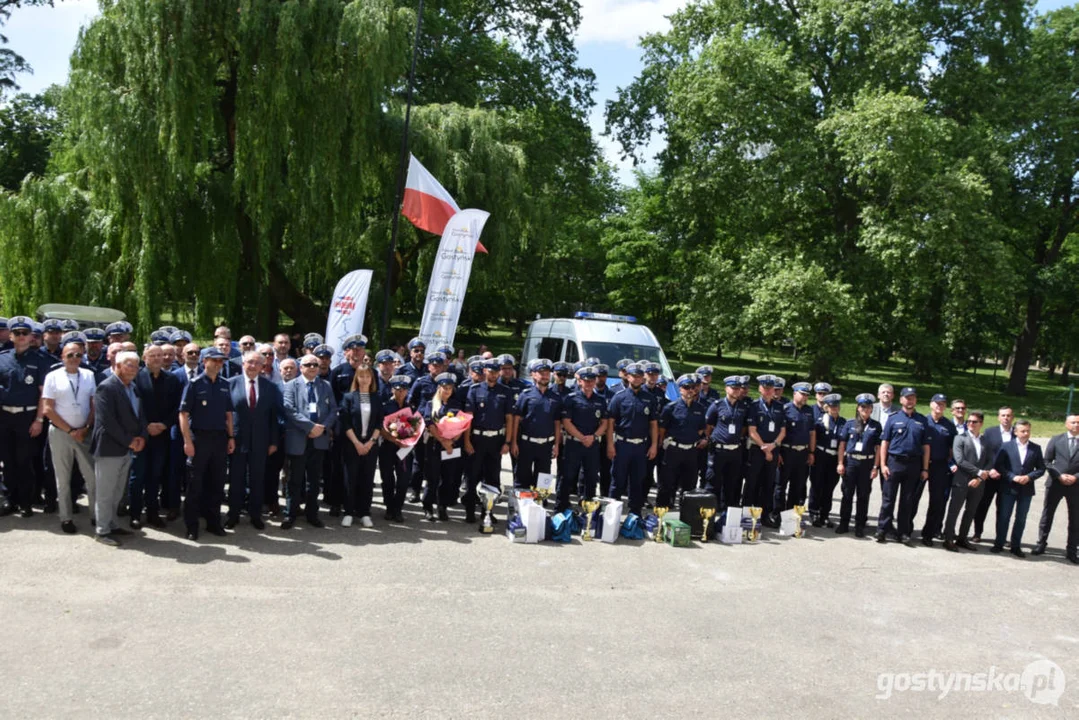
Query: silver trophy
column 489, row 495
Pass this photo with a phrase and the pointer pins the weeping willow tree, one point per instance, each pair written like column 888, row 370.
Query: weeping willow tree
column 240, row 157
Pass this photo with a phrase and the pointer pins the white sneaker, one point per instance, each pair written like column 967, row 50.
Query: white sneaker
column 366, row 521
column 346, row 521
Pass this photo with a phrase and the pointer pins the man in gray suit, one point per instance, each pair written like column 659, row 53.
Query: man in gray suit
column 1062, row 464
column 119, row 430
column 311, row 413
column 975, row 462
column 885, row 408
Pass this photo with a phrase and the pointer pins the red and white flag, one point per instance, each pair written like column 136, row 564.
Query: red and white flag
column 426, row 202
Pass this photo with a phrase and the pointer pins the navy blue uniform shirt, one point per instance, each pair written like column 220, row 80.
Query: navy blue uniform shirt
column 906, row 435
column 632, row 412
column 422, row 391
column 940, row 436
column 800, row 422
column 829, row 433
column 586, row 413
column 684, row 423
column 489, row 405
column 723, row 414
column 767, row 418
column 207, row 403
column 21, row 377
column 538, row 412
column 869, row 437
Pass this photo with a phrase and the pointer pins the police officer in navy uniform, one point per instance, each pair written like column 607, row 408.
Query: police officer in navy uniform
column 606, row 393
column 340, row 379
column 821, row 390
column 417, row 365
column 584, row 423
column 53, row 330
column 634, row 440
column 22, row 374
column 443, row 475
column 206, row 424
column 905, row 452
column 859, row 464
column 798, row 454
column 829, row 430
column 682, row 433
column 653, row 373
column 726, row 423
column 941, row 432
column 95, row 359
column 385, row 361
column 707, row 396
column 537, row 427
column 395, row 471
column 767, row 428
column 422, row 390
column 491, row 405
column 509, row 377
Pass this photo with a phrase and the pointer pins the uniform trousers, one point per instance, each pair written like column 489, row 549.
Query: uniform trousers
column 533, row 458
column 898, row 489
column 581, row 462
column 205, row 479
column 396, row 475
column 725, row 475
column 790, row 490
column 857, row 481
column 759, row 479
column 678, row 472
column 825, row 478
column 20, row 474
column 940, row 479
column 627, row 473
column 485, row 467
column 443, row 476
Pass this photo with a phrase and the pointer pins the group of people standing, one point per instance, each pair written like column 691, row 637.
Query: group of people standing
column 168, row 430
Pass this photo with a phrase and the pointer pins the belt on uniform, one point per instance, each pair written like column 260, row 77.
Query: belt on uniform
column 631, row 441
column 488, row 433
column 594, row 437
column 728, row 447
column 538, row 440
column 904, row 458
column 833, row 453
column 796, row 447
column 19, row 408
column 680, row 446
column 859, row 457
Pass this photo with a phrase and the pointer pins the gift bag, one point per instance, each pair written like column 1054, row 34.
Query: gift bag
column 535, row 520
column 632, row 528
column 515, row 529
column 732, row 528
column 560, row 527
column 788, row 522
column 612, row 520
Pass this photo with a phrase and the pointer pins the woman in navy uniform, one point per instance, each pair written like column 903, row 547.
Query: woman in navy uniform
column 859, row 464
column 360, row 416
column 829, row 430
column 682, row 434
column 726, row 421
column 443, row 476
column 396, row 472
column 584, row 419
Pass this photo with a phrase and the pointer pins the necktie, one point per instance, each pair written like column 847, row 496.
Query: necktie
column 251, row 395
column 311, row 401
column 1071, row 446
column 191, row 374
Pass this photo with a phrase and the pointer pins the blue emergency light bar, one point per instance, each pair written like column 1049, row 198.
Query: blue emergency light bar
column 582, row 315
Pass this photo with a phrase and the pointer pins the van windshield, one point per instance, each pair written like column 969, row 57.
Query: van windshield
column 611, row 353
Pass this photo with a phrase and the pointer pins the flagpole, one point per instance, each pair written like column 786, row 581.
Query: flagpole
column 399, row 188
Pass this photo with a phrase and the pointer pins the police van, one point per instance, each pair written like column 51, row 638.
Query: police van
column 607, row 337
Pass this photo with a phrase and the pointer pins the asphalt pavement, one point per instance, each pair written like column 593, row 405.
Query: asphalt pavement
column 435, row 620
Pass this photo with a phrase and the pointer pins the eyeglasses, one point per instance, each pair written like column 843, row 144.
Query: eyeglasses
column 266, row 354
column 974, row 422
column 74, row 355
column 959, row 409
column 314, row 365
column 20, row 333
column 191, row 352
column 246, row 344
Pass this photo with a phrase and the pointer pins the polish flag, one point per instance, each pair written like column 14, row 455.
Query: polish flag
column 426, row 202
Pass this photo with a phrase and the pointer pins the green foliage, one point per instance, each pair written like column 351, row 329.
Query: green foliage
column 28, row 124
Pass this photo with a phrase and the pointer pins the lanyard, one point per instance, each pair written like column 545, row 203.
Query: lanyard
column 75, row 385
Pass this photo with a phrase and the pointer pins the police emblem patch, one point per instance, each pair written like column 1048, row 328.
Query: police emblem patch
column 29, row 379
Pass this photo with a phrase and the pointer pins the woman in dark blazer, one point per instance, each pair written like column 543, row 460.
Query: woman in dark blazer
column 361, row 420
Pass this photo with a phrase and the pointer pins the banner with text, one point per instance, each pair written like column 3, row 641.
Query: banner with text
column 347, row 310
column 449, row 277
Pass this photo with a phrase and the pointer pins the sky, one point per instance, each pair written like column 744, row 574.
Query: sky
column 607, row 43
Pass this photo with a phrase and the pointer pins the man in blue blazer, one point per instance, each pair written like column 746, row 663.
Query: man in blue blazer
column 257, row 404
column 311, row 413
column 1020, row 464
column 993, row 439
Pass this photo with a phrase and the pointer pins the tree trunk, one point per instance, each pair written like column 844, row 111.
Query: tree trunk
column 1052, row 371
column 1065, row 373
column 307, row 316
column 719, row 351
column 1023, row 352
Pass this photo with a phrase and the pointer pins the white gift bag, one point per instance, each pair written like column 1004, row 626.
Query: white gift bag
column 788, row 522
column 732, row 528
column 535, row 521
column 612, row 521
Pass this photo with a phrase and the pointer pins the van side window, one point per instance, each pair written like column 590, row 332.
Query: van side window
column 551, row 348
column 571, row 353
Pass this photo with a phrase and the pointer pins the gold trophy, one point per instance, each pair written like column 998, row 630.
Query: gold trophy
column 799, row 511
column 660, row 512
column 589, row 507
column 707, row 514
column 489, row 495
column 754, row 533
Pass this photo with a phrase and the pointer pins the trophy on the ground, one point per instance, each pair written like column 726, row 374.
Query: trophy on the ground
column 489, row 495
column 544, row 488
column 799, row 513
column 589, row 507
column 753, row 533
column 660, row 512
column 706, row 513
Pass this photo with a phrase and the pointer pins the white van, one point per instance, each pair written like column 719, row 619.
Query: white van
column 607, row 337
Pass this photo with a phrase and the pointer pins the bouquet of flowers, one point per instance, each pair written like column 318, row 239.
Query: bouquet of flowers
column 405, row 425
column 453, row 424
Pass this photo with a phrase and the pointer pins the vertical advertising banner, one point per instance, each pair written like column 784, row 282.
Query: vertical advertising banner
column 449, row 276
column 347, row 309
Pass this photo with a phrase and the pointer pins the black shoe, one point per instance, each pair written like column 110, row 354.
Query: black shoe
column 122, row 511
column 997, row 549
column 287, row 523
column 108, row 540
column 257, row 523
column 315, row 522
column 842, row 530
column 927, row 541
column 275, row 510
column 335, row 511
column 6, row 508
column 859, row 533
column 172, row 515
column 470, row 516
column 817, row 522
column 135, row 524
column 120, row 531
column 398, row 517
column 155, row 521
column 1039, row 549
column 443, row 515
column 950, row 546
column 429, row 515
column 1073, row 557
column 965, row 545
column 1018, row 552
column 68, row 526
column 976, row 539
column 387, row 516
column 230, row 524
column 217, row 530
column 770, row 522
column 414, row 497
column 882, row 538
column 75, row 507
column 51, row 508
column 27, row 512
column 828, row 523
column 193, row 535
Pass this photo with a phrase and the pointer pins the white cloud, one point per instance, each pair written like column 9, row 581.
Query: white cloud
column 624, row 21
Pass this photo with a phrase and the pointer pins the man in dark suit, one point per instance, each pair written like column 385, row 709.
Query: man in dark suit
column 993, row 438
column 119, row 430
column 311, row 413
column 974, row 466
column 1062, row 464
column 1020, row 464
column 257, row 405
column 159, row 391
